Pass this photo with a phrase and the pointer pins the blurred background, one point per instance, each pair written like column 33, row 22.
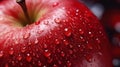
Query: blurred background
column 108, row 12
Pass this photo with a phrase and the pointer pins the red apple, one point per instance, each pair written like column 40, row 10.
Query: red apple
column 51, row 33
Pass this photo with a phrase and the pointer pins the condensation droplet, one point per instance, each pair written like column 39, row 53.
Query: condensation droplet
column 45, row 46
column 23, row 49
column 82, row 39
column 65, row 42
column 69, row 64
column 81, row 31
column 57, row 20
column 47, row 53
column 55, row 4
column 89, row 46
column 62, row 54
column 19, row 58
column 11, row 51
column 57, row 41
column 26, row 35
column 98, row 41
column 28, row 58
column 67, row 32
column 90, row 33
column 55, row 65
column 36, row 41
column 1, row 54
column 100, row 53
column 39, row 63
column 88, row 57
column 46, row 22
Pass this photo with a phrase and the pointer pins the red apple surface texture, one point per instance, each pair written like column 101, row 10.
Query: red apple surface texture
column 56, row 33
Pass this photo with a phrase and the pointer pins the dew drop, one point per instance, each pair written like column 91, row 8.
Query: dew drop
column 26, row 35
column 82, row 39
column 19, row 58
column 65, row 42
column 46, row 22
column 69, row 64
column 88, row 57
column 16, row 42
column 67, row 32
column 11, row 51
column 23, row 49
column 36, row 41
column 47, row 53
column 1, row 54
column 45, row 46
column 57, row 41
column 100, row 53
column 55, row 65
column 77, row 10
column 57, row 20
column 62, row 54
column 55, row 4
column 39, row 63
column 98, row 41
column 90, row 33
column 89, row 46
column 81, row 31
column 28, row 58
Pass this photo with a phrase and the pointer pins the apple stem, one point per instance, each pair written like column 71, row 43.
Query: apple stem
column 24, row 8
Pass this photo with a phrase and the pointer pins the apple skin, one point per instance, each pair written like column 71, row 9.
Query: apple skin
column 63, row 34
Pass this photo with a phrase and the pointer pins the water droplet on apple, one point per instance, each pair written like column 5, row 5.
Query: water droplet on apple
column 62, row 54
column 89, row 46
column 57, row 20
column 19, row 58
column 23, row 49
column 28, row 58
column 46, row 22
column 11, row 51
column 55, row 4
column 88, row 57
column 57, row 41
column 55, row 65
column 39, row 63
column 81, row 31
column 47, row 53
column 68, row 32
column 36, row 41
column 45, row 46
column 98, row 41
column 69, row 64
column 65, row 42
column 90, row 33
column 82, row 39
column 100, row 53
column 26, row 35
column 1, row 54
